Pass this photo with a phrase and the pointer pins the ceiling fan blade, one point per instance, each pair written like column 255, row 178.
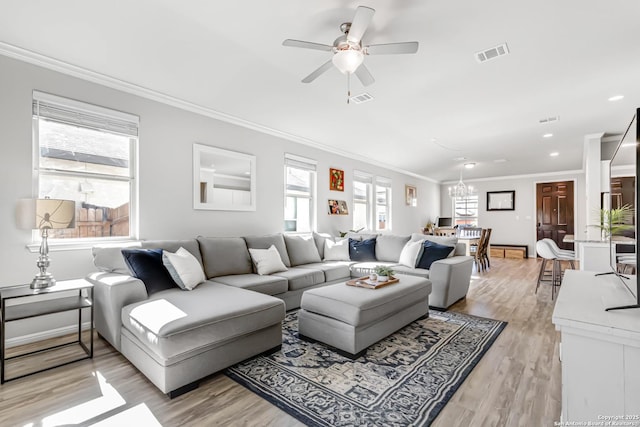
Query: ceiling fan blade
column 324, row 67
column 306, row 45
column 364, row 75
column 360, row 22
column 392, row 48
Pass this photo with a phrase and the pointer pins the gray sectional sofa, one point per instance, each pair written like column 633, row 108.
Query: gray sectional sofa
column 176, row 337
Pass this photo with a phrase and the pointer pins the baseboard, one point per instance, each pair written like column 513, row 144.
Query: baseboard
column 39, row 336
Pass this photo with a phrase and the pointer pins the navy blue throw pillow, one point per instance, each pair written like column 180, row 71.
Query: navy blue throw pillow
column 362, row 251
column 433, row 252
column 146, row 265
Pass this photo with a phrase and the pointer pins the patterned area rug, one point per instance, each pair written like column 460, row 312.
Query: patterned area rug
column 403, row 380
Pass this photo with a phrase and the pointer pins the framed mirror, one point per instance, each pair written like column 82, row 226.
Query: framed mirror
column 223, row 179
column 501, row 200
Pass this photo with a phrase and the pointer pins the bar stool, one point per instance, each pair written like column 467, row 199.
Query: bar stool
column 626, row 262
column 562, row 254
column 545, row 251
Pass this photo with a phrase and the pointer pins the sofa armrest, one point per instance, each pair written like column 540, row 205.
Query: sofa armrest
column 450, row 278
column 112, row 291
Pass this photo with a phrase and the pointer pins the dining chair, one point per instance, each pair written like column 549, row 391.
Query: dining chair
column 479, row 251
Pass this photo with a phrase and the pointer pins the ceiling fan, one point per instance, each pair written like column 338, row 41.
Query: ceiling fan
column 348, row 51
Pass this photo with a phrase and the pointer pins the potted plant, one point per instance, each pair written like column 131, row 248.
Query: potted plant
column 384, row 273
column 614, row 221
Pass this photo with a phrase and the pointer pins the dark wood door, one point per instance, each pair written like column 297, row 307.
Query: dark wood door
column 554, row 211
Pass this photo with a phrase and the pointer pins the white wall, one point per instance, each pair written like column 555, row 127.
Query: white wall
column 165, row 173
column 518, row 227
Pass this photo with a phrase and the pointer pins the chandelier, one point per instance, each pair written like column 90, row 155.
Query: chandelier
column 461, row 190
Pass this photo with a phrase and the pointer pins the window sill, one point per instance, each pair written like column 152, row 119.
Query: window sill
column 74, row 245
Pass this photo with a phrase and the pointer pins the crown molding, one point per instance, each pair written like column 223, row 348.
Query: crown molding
column 523, row 176
column 121, row 85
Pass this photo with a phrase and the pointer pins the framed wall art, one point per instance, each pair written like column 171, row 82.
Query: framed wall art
column 501, row 200
column 336, row 179
column 411, row 195
column 337, row 207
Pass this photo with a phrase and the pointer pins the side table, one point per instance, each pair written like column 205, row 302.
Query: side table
column 19, row 303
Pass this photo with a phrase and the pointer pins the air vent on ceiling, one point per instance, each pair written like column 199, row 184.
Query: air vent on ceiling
column 492, row 53
column 359, row 99
column 545, row 120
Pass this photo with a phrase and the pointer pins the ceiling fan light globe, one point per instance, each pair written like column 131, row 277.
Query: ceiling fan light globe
column 347, row 61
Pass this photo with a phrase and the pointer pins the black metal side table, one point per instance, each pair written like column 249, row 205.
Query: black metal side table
column 19, row 303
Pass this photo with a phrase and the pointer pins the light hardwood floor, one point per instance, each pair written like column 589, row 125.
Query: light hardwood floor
column 517, row 382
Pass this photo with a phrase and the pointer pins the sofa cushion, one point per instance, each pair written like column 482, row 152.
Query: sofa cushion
column 267, row 261
column 184, row 268
column 223, row 256
column 174, row 325
column 319, row 238
column 336, row 251
column 301, row 278
column 173, row 245
column 302, row 249
column 146, row 265
column 108, row 258
column 389, row 246
column 264, row 242
column 361, row 251
column 433, row 252
column 410, row 254
column 270, row 285
column 333, row 270
column 409, row 271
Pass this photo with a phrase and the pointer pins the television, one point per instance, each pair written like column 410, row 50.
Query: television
column 624, row 170
column 444, row 222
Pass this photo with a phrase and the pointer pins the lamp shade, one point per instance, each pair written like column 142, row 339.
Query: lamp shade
column 347, row 61
column 32, row 214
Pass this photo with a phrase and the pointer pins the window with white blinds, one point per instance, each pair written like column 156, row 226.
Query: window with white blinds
column 299, row 193
column 383, row 204
column 362, row 200
column 86, row 153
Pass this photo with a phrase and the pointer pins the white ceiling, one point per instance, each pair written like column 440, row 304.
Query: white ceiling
column 567, row 58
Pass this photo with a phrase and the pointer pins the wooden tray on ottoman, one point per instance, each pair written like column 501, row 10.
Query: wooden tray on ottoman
column 364, row 282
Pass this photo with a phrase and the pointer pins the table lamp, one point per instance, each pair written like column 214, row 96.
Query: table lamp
column 45, row 214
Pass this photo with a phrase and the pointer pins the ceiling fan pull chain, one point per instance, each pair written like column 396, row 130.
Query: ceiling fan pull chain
column 348, row 87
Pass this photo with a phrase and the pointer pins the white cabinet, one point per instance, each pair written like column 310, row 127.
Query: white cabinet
column 600, row 349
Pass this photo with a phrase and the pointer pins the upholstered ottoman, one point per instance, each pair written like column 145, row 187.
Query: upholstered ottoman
column 351, row 318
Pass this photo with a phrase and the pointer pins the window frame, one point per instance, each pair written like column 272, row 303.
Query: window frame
column 106, row 120
column 461, row 220
column 306, row 164
column 387, row 184
column 367, row 179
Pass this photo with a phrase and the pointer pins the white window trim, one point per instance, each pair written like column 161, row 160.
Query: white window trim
column 387, row 183
column 293, row 160
column 115, row 122
column 365, row 178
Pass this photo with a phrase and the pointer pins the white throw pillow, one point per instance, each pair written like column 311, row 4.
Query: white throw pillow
column 410, row 254
column 267, row 261
column 336, row 251
column 184, row 268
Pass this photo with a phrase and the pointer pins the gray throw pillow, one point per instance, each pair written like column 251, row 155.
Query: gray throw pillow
column 389, row 247
column 302, row 249
column 224, row 256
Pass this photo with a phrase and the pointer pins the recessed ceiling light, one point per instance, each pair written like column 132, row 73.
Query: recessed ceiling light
column 616, row 98
column 469, row 165
column 547, row 135
column 554, row 154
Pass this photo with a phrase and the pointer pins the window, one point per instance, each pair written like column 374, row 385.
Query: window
column 383, row 203
column 362, row 200
column 299, row 194
column 85, row 153
column 466, row 211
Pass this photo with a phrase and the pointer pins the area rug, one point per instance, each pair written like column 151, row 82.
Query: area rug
column 403, row 380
